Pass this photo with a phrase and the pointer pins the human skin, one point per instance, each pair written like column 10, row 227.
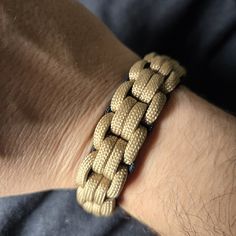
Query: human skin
column 59, row 66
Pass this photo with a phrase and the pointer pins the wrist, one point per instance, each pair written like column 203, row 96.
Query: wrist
column 127, row 134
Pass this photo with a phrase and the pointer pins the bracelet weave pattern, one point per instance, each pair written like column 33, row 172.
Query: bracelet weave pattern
column 121, row 132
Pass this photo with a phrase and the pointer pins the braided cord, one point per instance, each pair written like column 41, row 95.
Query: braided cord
column 120, row 133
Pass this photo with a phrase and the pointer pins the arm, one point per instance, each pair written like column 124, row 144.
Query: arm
column 54, row 74
column 185, row 180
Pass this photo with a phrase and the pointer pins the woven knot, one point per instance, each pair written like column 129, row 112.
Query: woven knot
column 122, row 130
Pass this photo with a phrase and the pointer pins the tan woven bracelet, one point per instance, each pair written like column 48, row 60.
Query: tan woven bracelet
column 121, row 132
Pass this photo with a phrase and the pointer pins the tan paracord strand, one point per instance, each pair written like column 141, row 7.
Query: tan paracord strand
column 121, row 132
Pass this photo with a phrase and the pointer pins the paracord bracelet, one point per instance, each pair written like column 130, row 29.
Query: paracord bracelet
column 121, row 132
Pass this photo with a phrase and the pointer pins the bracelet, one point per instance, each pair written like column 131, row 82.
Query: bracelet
column 122, row 130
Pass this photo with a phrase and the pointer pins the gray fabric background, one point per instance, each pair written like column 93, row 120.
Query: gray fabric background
column 200, row 34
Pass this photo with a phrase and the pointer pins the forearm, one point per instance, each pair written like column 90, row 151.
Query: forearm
column 184, row 180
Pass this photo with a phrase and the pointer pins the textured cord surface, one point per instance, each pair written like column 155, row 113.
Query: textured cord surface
column 121, row 132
